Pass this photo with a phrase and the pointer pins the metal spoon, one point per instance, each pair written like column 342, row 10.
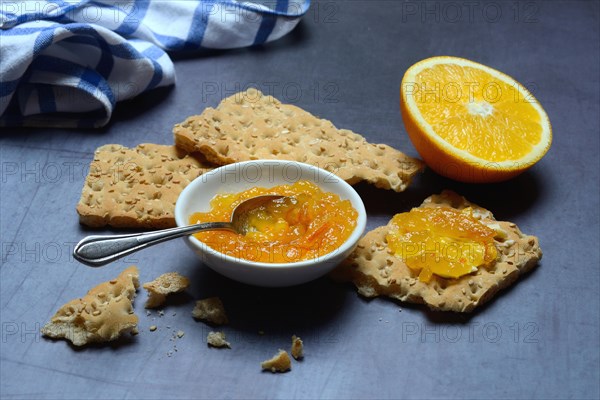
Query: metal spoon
column 99, row 250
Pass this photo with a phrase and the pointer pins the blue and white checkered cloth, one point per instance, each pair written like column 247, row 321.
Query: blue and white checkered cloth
column 66, row 63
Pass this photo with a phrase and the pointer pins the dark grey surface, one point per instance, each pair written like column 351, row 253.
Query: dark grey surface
column 539, row 339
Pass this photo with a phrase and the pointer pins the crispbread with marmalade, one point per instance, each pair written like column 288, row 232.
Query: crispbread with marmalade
column 377, row 272
column 250, row 126
column 136, row 187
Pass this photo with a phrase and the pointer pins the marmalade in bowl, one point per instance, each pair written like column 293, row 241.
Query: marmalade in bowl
column 441, row 241
column 307, row 224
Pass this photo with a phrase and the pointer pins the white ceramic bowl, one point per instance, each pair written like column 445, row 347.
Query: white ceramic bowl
column 238, row 177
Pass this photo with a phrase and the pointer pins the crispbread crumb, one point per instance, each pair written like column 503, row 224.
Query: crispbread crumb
column 249, row 126
column 136, row 187
column 217, row 339
column 210, row 310
column 168, row 283
column 153, row 328
column 377, row 272
column 297, row 347
column 102, row 315
column 180, row 334
column 280, row 362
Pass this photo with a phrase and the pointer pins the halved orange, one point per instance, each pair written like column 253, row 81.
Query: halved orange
column 471, row 122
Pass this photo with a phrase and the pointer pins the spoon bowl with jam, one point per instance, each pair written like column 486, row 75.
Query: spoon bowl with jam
column 99, row 250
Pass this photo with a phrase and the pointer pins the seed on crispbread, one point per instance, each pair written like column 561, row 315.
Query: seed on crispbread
column 250, row 126
column 377, row 272
column 137, row 187
column 102, row 315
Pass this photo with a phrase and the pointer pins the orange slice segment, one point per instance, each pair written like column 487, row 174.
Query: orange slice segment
column 471, row 122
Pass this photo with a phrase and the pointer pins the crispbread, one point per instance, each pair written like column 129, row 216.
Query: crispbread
column 375, row 271
column 137, row 187
column 250, row 126
column 297, row 347
column 102, row 315
column 280, row 362
column 217, row 339
column 158, row 289
column 210, row 310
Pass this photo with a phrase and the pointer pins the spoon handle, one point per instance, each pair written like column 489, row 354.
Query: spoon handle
column 99, row 250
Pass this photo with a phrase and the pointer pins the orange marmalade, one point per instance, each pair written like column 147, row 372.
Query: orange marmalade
column 443, row 241
column 308, row 224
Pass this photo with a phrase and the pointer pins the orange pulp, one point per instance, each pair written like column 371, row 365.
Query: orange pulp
column 309, row 224
column 443, row 241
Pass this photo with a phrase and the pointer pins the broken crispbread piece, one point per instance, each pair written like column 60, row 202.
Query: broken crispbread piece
column 250, row 126
column 377, row 272
column 217, row 339
column 102, row 315
column 210, row 310
column 137, row 187
column 280, row 362
column 297, row 347
column 168, row 283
